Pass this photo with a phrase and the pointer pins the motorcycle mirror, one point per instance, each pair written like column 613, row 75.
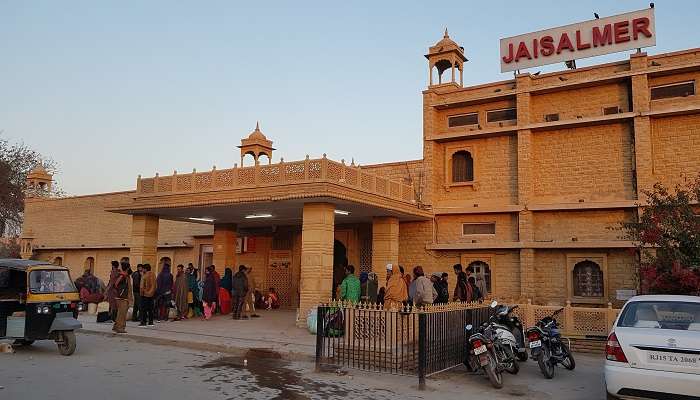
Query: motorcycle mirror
column 468, row 327
column 494, row 304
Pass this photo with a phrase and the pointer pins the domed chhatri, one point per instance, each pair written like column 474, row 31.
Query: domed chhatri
column 256, row 144
column 257, row 134
column 39, row 181
column 446, row 54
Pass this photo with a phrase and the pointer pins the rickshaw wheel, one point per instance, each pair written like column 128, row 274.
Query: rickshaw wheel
column 67, row 346
column 23, row 342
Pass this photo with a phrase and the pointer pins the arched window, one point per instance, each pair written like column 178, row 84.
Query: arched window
column 90, row 264
column 482, row 273
column 588, row 279
column 58, row 261
column 462, row 166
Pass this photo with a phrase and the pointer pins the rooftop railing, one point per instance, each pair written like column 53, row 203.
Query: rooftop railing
column 282, row 173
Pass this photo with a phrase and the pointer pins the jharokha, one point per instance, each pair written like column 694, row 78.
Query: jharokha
column 521, row 180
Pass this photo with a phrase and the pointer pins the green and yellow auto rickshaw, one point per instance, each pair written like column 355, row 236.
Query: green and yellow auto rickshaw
column 38, row 301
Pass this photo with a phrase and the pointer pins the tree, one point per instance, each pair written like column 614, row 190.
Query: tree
column 16, row 161
column 667, row 237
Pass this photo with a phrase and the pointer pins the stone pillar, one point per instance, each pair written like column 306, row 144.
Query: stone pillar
column 316, row 276
column 642, row 125
column 144, row 240
column 385, row 245
column 527, row 274
column 225, row 247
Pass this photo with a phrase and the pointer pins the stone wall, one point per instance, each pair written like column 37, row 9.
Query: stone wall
column 591, row 164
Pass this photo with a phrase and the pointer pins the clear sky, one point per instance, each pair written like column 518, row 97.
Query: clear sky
column 115, row 89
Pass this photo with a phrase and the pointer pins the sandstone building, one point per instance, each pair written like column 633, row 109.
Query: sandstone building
column 520, row 179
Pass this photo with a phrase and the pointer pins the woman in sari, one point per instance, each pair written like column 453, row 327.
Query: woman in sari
column 209, row 295
column 181, row 290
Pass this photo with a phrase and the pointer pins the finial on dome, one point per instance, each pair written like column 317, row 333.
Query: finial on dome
column 446, row 34
column 257, row 125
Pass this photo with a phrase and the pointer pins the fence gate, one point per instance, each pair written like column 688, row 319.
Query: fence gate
column 410, row 341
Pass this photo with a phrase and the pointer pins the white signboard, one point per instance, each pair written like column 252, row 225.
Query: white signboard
column 586, row 39
column 625, row 294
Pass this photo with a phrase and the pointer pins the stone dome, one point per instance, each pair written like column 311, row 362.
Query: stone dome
column 257, row 134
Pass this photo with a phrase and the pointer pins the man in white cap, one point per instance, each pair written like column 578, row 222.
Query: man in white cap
column 396, row 292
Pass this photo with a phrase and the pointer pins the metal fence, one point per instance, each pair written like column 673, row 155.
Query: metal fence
column 410, row 341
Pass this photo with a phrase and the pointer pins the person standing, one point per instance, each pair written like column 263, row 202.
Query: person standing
column 164, row 293
column 121, row 298
column 475, row 292
column 180, row 293
column 239, row 290
column 422, row 291
column 110, row 292
column 136, row 288
column 462, row 289
column 249, row 302
column 193, row 287
column 147, row 292
column 443, row 295
column 350, row 287
column 372, row 287
column 209, row 293
column 396, row 293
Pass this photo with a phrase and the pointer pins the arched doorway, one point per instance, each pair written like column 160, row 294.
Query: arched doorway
column 340, row 261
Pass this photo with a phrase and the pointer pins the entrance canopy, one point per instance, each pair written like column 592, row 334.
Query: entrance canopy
column 264, row 195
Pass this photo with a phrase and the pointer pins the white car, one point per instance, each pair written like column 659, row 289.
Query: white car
column 653, row 350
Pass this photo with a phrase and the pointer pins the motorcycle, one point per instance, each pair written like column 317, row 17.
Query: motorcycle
column 547, row 347
column 493, row 348
column 505, row 318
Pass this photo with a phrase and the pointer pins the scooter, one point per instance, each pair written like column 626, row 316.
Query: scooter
column 493, row 348
column 506, row 318
column 547, row 347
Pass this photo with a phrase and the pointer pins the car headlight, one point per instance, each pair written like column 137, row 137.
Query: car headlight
column 81, row 307
column 45, row 310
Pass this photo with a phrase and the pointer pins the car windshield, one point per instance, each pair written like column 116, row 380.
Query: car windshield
column 661, row 315
column 50, row 281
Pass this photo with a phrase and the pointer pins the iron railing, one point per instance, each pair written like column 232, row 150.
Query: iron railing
column 410, row 341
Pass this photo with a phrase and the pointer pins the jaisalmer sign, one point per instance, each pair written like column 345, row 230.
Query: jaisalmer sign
column 585, row 39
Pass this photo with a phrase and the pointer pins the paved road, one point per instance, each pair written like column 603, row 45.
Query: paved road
column 105, row 368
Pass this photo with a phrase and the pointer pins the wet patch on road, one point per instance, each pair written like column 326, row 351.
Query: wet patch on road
column 261, row 373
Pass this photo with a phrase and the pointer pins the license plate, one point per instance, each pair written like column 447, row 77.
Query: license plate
column 675, row 359
column 480, row 349
column 484, row 359
column 536, row 343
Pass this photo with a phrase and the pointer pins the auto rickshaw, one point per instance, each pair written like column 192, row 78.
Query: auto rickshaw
column 38, row 301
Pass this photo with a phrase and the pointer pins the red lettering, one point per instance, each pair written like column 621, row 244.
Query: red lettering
column 604, row 38
column 508, row 59
column 564, row 43
column 580, row 45
column 621, row 31
column 640, row 25
column 522, row 52
column 535, row 51
column 547, row 44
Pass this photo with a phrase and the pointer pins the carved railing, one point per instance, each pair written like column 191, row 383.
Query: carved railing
column 573, row 321
column 282, row 173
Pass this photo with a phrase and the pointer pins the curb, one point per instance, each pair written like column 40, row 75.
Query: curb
column 264, row 352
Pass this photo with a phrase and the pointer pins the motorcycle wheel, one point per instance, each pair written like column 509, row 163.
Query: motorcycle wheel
column 568, row 361
column 522, row 356
column 514, row 368
column 546, row 365
column 496, row 377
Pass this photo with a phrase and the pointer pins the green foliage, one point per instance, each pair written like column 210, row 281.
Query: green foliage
column 16, row 161
column 667, row 235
